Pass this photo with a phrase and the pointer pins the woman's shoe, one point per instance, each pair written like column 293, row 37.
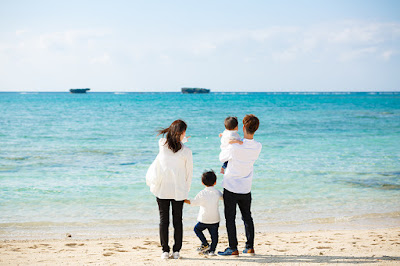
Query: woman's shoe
column 176, row 255
column 165, row 255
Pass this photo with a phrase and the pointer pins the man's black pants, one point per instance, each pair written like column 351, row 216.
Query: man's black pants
column 244, row 202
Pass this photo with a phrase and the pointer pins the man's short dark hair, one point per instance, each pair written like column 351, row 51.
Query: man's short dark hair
column 231, row 122
column 209, row 178
column 251, row 123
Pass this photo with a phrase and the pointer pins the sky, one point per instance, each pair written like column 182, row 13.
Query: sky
column 253, row 45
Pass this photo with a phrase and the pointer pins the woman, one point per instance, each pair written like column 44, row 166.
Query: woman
column 169, row 178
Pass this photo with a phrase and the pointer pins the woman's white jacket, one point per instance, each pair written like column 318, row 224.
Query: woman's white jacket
column 170, row 175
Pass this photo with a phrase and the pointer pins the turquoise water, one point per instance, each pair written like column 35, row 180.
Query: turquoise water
column 76, row 163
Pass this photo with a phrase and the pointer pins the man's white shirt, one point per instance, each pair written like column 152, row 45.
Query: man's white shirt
column 239, row 173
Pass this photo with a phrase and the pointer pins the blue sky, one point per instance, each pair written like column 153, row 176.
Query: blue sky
column 221, row 45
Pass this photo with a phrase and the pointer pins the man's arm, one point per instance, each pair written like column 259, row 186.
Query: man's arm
column 237, row 141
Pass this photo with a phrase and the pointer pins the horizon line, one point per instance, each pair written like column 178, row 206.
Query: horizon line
column 271, row 91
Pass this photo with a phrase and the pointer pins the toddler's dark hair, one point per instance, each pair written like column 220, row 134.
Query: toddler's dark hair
column 231, row 122
column 209, row 178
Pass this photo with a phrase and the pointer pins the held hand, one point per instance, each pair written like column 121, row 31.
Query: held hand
column 187, row 201
column 220, row 135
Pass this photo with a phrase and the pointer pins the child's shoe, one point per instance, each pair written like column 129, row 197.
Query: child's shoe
column 165, row 255
column 203, row 248
column 229, row 252
column 209, row 253
column 249, row 251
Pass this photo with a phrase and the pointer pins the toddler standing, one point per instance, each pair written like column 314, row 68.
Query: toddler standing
column 208, row 217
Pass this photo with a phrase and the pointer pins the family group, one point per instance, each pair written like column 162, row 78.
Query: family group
column 170, row 176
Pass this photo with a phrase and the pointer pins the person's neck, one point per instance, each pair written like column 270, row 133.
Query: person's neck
column 248, row 136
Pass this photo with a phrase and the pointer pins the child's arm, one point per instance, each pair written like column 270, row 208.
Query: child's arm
column 187, row 201
column 232, row 141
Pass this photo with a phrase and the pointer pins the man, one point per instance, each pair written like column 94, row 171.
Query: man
column 237, row 185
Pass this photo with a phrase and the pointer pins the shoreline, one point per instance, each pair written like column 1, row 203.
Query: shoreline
column 378, row 246
column 128, row 230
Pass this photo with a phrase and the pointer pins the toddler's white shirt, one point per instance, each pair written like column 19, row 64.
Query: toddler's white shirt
column 228, row 135
column 208, row 200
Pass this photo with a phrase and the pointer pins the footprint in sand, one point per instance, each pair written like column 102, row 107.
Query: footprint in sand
column 150, row 243
column 71, row 244
column 281, row 250
column 139, row 247
column 108, row 254
column 323, row 248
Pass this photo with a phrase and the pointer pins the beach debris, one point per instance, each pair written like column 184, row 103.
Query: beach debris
column 68, row 235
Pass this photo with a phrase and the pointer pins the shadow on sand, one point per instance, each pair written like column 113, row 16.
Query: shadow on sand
column 262, row 259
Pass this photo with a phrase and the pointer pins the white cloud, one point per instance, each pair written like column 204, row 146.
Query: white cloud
column 103, row 59
column 262, row 35
column 387, row 55
column 357, row 53
column 76, row 49
column 70, row 38
column 20, row 32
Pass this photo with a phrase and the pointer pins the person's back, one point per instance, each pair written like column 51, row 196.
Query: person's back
column 169, row 178
column 176, row 183
column 208, row 200
column 239, row 172
column 237, row 186
column 208, row 217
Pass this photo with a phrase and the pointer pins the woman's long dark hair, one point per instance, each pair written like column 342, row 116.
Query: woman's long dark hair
column 173, row 134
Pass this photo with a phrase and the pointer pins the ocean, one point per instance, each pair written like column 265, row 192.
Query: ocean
column 76, row 163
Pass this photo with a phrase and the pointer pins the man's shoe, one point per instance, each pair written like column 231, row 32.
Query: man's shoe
column 229, row 252
column 249, row 251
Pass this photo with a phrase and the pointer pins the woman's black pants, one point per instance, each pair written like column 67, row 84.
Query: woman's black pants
column 177, row 207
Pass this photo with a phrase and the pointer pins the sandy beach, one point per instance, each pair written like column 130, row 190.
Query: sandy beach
column 378, row 247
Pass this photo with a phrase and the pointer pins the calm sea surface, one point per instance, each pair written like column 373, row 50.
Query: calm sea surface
column 77, row 163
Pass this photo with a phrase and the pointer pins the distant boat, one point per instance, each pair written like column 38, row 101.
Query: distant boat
column 195, row 90
column 79, row 90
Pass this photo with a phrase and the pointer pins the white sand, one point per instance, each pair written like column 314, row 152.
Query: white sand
column 378, row 247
